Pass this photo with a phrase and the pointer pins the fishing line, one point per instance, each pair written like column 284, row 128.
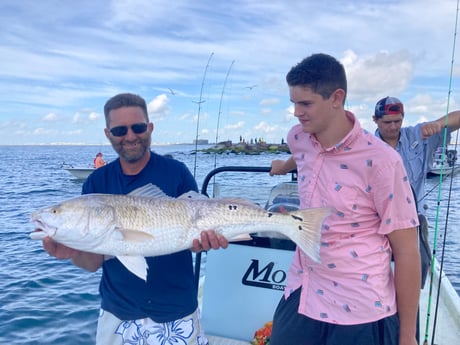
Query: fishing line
column 433, row 255
column 199, row 102
column 437, row 184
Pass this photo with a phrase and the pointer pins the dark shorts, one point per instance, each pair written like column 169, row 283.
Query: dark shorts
column 292, row 328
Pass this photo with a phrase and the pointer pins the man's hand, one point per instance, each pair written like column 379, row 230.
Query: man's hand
column 209, row 239
column 58, row 250
column 431, row 128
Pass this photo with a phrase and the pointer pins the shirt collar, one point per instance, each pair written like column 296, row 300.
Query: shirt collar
column 347, row 141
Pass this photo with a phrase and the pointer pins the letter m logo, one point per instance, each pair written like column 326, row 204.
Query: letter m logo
column 267, row 277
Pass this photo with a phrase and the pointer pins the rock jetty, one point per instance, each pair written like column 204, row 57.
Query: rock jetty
column 246, row 148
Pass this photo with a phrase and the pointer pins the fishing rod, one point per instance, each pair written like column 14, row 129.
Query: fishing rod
column 433, row 256
column 220, row 106
column 199, row 111
column 215, row 190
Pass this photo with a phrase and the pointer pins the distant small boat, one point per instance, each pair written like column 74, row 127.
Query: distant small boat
column 80, row 173
column 443, row 162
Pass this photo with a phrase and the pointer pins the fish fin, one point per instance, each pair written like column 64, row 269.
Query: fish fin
column 153, row 191
column 192, row 195
column 135, row 235
column 310, row 222
column 235, row 200
column 137, row 265
column 149, row 190
column 242, row 237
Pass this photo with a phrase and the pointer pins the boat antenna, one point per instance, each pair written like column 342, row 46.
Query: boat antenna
column 433, row 255
column 220, row 107
column 199, row 111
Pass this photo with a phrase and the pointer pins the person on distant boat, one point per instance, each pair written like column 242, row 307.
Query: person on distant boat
column 352, row 297
column 416, row 144
column 164, row 308
column 99, row 161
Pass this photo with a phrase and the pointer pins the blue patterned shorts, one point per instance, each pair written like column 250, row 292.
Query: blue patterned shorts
column 185, row 331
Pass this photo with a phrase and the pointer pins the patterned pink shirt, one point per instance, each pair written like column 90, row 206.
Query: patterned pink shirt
column 365, row 181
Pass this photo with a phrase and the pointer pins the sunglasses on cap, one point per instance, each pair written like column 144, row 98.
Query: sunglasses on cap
column 120, row 131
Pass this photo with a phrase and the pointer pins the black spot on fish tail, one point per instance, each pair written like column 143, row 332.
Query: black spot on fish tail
column 297, row 218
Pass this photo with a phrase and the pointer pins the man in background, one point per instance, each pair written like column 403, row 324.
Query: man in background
column 416, row 144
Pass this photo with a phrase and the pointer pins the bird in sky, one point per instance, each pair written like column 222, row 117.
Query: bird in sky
column 172, row 91
column 250, row 87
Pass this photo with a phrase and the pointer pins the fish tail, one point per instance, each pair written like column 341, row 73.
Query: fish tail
column 307, row 235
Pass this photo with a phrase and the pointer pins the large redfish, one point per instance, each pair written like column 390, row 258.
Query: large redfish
column 148, row 223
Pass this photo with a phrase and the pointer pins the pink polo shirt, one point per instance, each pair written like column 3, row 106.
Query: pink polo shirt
column 365, row 181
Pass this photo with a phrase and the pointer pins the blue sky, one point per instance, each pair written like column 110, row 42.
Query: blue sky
column 61, row 60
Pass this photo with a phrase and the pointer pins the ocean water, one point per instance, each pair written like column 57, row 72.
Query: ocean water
column 48, row 301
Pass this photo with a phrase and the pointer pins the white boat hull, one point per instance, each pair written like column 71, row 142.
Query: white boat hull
column 445, row 171
column 444, row 161
column 79, row 173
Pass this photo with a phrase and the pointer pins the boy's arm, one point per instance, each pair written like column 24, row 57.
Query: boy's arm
column 280, row 167
column 404, row 244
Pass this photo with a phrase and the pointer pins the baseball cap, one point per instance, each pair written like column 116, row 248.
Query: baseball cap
column 389, row 106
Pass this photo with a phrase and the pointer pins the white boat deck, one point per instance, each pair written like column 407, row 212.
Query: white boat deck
column 225, row 341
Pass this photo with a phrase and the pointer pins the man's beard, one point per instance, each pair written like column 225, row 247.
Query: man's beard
column 133, row 153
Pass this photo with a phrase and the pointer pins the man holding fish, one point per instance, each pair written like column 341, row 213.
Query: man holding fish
column 164, row 305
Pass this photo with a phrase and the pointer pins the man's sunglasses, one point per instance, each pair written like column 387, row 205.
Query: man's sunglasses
column 120, row 131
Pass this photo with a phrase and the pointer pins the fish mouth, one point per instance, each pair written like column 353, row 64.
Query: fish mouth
column 38, row 235
column 41, row 229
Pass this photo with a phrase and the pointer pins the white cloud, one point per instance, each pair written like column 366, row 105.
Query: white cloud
column 76, row 117
column 43, row 131
column 269, row 101
column 376, row 76
column 264, row 127
column 158, row 108
column 238, row 125
column 93, row 116
column 265, row 111
column 50, row 117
